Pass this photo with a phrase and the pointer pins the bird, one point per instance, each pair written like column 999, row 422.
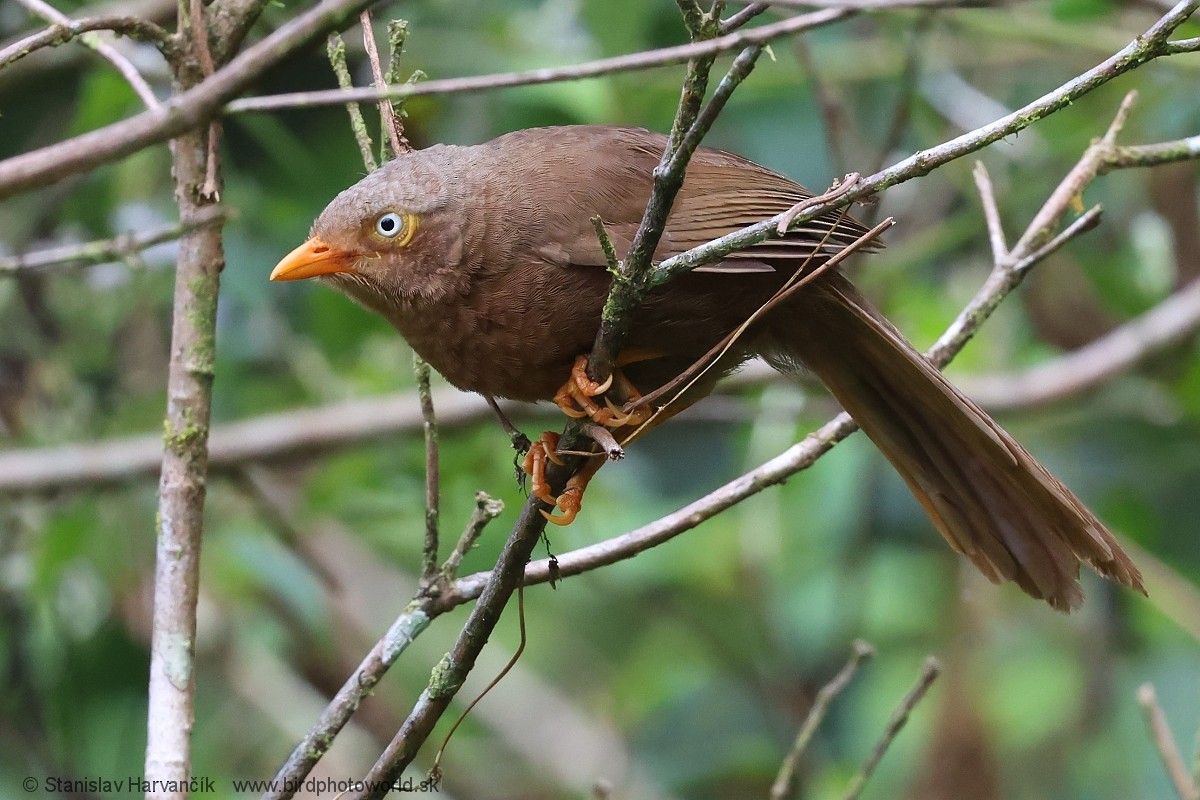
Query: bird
column 486, row 259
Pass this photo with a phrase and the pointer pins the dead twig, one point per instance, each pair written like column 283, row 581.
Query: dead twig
column 63, row 32
column 785, row 782
column 929, row 673
column 106, row 51
column 1160, row 734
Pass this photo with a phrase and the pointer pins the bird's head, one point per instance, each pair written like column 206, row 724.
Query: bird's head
column 392, row 239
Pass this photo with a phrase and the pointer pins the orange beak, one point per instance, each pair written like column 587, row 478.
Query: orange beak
column 313, row 258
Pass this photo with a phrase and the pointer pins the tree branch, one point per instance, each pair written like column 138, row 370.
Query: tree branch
column 105, row 50
column 785, row 782
column 1160, row 732
column 108, row 250
column 929, row 673
column 62, row 32
column 183, row 480
column 661, row 57
column 187, row 110
column 1150, row 45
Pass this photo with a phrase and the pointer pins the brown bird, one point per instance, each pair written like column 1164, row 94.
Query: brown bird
column 486, row 260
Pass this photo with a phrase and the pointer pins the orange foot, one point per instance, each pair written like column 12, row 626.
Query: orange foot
column 574, row 398
column 571, row 499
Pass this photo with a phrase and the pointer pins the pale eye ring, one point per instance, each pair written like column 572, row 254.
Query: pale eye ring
column 389, row 225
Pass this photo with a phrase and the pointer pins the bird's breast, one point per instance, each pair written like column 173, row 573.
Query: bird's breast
column 513, row 334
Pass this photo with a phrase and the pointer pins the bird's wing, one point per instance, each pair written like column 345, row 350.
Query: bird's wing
column 721, row 194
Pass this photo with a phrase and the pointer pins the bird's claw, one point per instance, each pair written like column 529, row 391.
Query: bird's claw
column 574, row 399
column 571, row 498
column 570, row 501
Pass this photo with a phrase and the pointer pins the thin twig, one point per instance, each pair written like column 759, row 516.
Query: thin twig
column 1145, row 47
column 929, row 673
column 608, row 443
column 105, row 251
column 801, row 278
column 991, row 214
column 387, row 114
column 1041, row 229
column 486, row 509
column 106, row 51
column 397, row 30
column 785, row 782
column 199, row 24
column 840, row 188
column 1180, row 46
column 60, row 33
column 185, row 111
column 336, row 50
column 429, row 426
column 1149, row 155
column 410, row 623
column 647, row 59
column 737, row 20
column 450, row 673
column 1160, row 733
column 631, row 284
column 610, row 252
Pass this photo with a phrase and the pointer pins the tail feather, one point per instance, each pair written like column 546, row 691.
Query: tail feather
column 989, row 497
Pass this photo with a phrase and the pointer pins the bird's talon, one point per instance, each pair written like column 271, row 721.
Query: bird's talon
column 584, row 383
column 616, row 418
column 569, row 502
column 564, row 520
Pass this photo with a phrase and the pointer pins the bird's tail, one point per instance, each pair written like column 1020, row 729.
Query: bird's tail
column 988, row 496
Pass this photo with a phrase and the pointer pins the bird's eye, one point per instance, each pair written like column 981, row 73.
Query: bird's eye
column 389, row 225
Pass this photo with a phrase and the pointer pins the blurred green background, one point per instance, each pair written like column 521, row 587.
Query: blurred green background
column 686, row 671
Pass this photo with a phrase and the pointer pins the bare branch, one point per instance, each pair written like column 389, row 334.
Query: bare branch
column 991, row 214
column 105, row 50
column 287, row 434
column 929, row 673
column 1150, row 155
column 387, row 114
column 429, row 426
column 411, row 622
column 183, row 480
column 188, row 109
column 336, row 51
column 785, row 782
column 451, row 671
column 486, row 509
column 1146, row 47
column 60, row 33
column 631, row 284
column 735, row 21
column 661, row 57
column 1160, row 732
column 107, row 250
